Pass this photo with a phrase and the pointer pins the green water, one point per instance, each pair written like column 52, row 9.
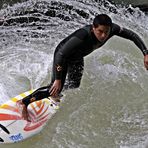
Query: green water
column 133, row 2
column 110, row 108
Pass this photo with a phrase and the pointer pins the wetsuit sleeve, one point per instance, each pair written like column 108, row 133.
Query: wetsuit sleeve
column 128, row 34
column 66, row 50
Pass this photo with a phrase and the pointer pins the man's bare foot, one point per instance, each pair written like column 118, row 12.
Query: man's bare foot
column 22, row 109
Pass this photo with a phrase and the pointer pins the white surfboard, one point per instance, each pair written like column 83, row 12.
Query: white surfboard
column 13, row 128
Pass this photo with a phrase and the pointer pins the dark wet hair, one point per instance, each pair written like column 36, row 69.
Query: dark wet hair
column 102, row 19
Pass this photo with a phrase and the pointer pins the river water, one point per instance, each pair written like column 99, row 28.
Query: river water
column 110, row 109
column 132, row 2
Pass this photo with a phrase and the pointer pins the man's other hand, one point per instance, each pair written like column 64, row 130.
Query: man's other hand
column 146, row 61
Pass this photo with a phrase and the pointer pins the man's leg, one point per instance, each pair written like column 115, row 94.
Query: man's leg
column 39, row 94
column 75, row 72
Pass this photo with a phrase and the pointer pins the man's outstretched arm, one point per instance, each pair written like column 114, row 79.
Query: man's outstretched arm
column 129, row 34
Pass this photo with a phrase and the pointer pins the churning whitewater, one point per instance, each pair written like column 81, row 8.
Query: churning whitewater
column 110, row 108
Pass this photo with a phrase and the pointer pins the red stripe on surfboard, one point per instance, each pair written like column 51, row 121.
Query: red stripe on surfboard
column 9, row 117
column 30, row 127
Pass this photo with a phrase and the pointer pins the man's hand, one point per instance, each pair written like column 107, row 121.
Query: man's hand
column 55, row 88
column 146, row 61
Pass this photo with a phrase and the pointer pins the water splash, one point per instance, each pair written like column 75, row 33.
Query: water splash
column 114, row 81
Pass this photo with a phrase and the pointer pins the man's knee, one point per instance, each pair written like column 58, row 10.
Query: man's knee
column 77, row 85
column 73, row 85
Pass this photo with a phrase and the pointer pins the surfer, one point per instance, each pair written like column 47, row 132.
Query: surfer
column 68, row 62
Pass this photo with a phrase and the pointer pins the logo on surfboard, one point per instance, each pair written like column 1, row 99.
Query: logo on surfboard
column 16, row 138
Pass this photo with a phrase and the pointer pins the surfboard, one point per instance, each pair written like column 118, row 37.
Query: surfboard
column 13, row 128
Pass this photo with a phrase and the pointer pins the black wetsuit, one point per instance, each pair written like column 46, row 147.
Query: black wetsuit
column 69, row 54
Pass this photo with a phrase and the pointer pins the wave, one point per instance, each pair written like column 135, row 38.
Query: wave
column 111, row 101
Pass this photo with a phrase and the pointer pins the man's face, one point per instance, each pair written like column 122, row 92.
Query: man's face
column 101, row 32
